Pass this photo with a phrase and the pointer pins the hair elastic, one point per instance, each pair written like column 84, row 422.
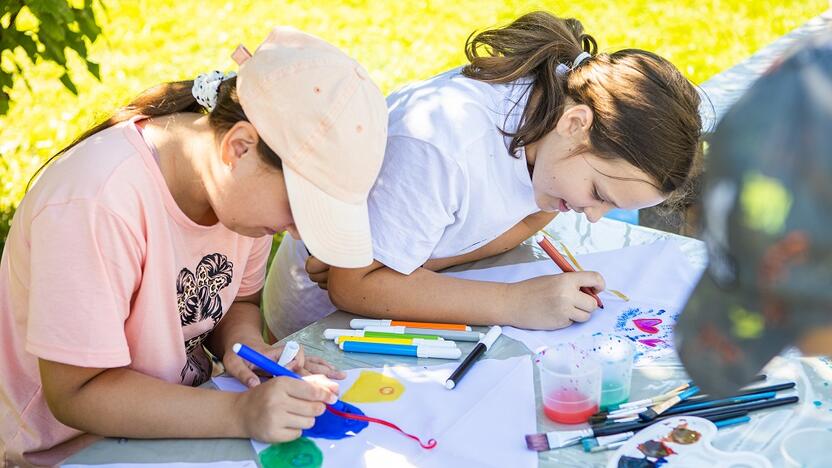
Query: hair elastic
column 562, row 69
column 206, row 87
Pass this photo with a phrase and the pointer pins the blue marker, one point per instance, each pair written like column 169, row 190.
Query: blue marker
column 401, row 350
column 328, row 425
column 262, row 362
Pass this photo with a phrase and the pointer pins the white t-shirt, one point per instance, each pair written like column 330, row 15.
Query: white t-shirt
column 448, row 185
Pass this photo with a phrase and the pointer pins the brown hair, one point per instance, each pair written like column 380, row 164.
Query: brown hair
column 644, row 110
column 175, row 97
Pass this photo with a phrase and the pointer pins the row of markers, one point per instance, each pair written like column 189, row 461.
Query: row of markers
column 418, row 339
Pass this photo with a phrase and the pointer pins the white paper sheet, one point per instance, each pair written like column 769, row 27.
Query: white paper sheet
column 658, row 279
column 480, row 423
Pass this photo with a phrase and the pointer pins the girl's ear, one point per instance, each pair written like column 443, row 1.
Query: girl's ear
column 576, row 120
column 239, row 140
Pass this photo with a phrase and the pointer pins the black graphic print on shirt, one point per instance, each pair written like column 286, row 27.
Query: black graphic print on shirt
column 198, row 299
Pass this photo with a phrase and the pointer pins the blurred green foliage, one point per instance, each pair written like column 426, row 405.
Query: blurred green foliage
column 149, row 41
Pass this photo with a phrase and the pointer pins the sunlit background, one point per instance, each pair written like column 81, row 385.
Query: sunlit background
column 145, row 42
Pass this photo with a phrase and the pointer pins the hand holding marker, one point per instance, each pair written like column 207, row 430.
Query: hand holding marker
column 480, row 349
column 277, row 370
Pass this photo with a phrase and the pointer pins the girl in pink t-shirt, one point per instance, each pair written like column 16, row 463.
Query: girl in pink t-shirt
column 145, row 243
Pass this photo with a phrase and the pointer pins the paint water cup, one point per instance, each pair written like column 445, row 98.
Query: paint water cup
column 615, row 354
column 570, row 383
column 807, row 448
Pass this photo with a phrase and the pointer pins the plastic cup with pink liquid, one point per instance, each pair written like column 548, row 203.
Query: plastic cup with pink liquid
column 570, row 383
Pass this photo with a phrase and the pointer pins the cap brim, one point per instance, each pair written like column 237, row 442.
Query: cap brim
column 336, row 232
column 722, row 345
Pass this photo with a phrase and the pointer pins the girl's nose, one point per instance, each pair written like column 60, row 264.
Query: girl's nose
column 595, row 213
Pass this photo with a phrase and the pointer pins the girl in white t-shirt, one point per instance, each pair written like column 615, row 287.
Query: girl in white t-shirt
column 478, row 159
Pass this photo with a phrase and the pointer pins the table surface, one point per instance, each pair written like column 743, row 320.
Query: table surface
column 762, row 435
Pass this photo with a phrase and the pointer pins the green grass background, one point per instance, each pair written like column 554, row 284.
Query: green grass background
column 149, row 41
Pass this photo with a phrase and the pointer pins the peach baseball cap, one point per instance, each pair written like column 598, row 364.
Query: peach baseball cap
column 318, row 109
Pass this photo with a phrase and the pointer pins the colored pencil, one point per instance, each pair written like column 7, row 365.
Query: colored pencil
column 360, row 324
column 561, row 262
column 481, row 347
column 401, row 350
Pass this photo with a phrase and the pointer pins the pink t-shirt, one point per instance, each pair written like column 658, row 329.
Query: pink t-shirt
column 102, row 269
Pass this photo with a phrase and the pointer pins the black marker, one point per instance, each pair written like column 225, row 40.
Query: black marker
column 480, row 349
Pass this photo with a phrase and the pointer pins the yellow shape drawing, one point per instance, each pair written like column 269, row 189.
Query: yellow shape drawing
column 372, row 387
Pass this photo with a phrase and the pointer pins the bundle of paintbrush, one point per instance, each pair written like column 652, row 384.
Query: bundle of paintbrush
column 641, row 417
column 682, row 399
column 612, row 442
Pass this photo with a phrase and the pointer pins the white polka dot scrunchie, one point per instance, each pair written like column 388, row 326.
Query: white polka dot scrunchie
column 206, row 86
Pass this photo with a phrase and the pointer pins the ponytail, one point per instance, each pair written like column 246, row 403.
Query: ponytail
column 172, row 98
column 532, row 46
column 644, row 110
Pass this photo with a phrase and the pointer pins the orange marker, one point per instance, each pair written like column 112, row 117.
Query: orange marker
column 360, row 324
column 561, row 262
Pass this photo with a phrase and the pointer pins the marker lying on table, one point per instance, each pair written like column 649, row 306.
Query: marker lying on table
column 480, row 349
column 403, row 341
column 600, row 444
column 561, row 262
column 446, row 334
column 401, row 350
column 364, row 323
column 332, row 333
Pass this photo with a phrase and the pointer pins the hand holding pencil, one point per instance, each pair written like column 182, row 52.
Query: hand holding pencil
column 563, row 264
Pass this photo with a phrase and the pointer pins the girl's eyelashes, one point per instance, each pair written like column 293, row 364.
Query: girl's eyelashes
column 596, row 194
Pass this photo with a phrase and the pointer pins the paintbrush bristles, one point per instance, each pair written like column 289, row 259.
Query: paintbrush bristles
column 537, row 442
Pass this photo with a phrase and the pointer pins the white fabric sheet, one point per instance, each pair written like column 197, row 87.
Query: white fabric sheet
column 658, row 279
column 481, row 423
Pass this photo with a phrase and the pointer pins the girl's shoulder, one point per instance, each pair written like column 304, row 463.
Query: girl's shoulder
column 449, row 106
column 107, row 167
column 451, row 111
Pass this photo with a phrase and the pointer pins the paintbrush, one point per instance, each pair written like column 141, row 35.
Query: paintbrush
column 652, row 412
column 696, row 405
column 635, row 407
column 600, row 444
column 560, row 439
column 745, row 406
column 619, row 408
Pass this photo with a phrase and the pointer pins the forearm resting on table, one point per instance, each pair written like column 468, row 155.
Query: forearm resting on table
column 121, row 402
column 377, row 291
column 506, row 241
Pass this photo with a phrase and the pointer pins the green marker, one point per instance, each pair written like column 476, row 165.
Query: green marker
column 332, row 333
